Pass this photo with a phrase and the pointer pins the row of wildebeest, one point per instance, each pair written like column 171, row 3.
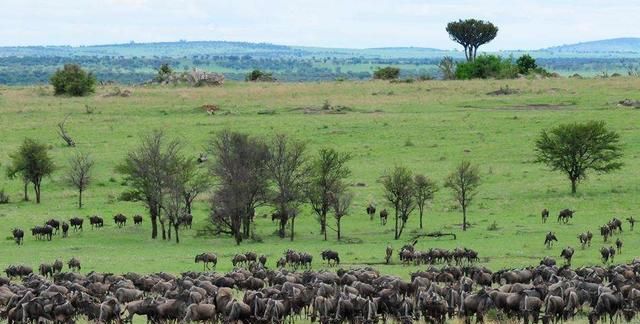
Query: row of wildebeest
column 362, row 295
column 54, row 226
column 408, row 255
column 291, row 258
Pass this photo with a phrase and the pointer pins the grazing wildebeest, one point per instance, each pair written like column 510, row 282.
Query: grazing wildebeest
column 74, row 264
column 207, row 258
column 371, row 210
column 65, row 229
column 55, row 224
column 120, row 220
column 618, row 245
column 239, row 259
column 565, row 215
column 389, row 253
column 46, row 270
column 263, row 260
column 383, row 216
column 76, row 223
column 330, row 256
column 57, row 266
column 548, row 240
column 567, row 254
column 96, row 221
column 137, row 219
column 18, row 235
column 545, row 215
column 631, row 221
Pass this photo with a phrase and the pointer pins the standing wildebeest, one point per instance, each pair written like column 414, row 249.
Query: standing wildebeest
column 76, row 223
column 46, row 270
column 371, row 210
column 567, row 254
column 41, row 232
column 74, row 264
column 55, row 224
column 548, row 240
column 207, row 258
column 57, row 266
column 607, row 254
column 65, row 229
column 618, row 245
column 330, row 256
column 263, row 260
column 631, row 221
column 137, row 220
column 96, row 221
column 605, row 231
column 389, row 253
column 18, row 235
column 565, row 215
column 383, row 216
column 186, row 220
column 120, row 220
column 585, row 239
column 545, row 215
column 239, row 259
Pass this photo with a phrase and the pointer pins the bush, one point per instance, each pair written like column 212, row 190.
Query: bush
column 259, row 76
column 387, row 73
column 72, row 80
column 447, row 67
column 4, row 198
column 526, row 64
column 487, row 66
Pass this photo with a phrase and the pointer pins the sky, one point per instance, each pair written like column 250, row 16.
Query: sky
column 323, row 23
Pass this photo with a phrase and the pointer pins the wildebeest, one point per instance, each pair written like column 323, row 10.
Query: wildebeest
column 263, row 260
column 46, row 270
column 548, row 240
column 137, row 219
column 55, row 224
column 545, row 215
column 65, row 229
column 74, row 264
column 239, row 259
column 605, row 231
column 371, row 210
column 41, row 232
column 631, row 221
column 18, row 271
column 585, row 239
column 618, row 245
column 18, row 236
column 330, row 256
column 388, row 254
column 383, row 216
column 567, row 254
column 96, row 221
column 57, row 266
column 207, row 258
column 607, row 254
column 565, row 215
column 120, row 220
column 76, row 223
column 186, row 220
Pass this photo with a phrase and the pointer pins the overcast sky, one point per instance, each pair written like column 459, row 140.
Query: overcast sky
column 327, row 23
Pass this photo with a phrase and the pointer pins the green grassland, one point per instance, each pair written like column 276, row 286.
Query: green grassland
column 427, row 126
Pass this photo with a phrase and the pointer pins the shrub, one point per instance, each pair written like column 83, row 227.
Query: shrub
column 526, row 64
column 487, row 66
column 387, row 73
column 72, row 80
column 259, row 76
column 447, row 67
column 4, row 198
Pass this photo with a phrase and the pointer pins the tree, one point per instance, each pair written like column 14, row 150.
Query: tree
column 193, row 183
column 447, row 67
column 79, row 173
column 424, row 189
column 526, row 63
column 327, row 173
column 32, row 162
column 464, row 182
column 288, row 171
column 259, row 76
column 341, row 203
column 174, row 204
column 579, row 147
column 72, row 80
column 471, row 34
column 146, row 168
column 387, row 73
column 240, row 169
column 399, row 191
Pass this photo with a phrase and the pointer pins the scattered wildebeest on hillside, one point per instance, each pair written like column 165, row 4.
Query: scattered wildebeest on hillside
column 631, row 221
column 567, row 254
column 585, row 239
column 96, row 221
column 65, row 229
column 41, row 232
column 74, row 264
column 55, row 224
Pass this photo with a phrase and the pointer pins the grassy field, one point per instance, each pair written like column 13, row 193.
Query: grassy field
column 426, row 126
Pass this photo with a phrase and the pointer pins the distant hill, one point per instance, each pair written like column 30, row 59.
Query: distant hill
column 614, row 45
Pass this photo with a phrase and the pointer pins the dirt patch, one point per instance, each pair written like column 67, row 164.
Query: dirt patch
column 503, row 91
column 537, row 106
column 326, row 108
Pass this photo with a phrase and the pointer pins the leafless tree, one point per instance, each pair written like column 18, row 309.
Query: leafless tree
column 288, row 171
column 79, row 173
column 341, row 204
column 63, row 133
column 464, row 182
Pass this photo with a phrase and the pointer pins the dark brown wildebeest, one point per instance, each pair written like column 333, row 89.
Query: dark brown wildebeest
column 282, row 262
column 251, row 257
column 548, row 261
column 605, row 231
column 42, row 231
column 567, row 254
column 120, row 220
column 330, row 256
column 548, row 240
column 263, row 260
column 137, row 220
column 74, row 264
column 76, row 223
column 383, row 216
column 585, row 239
column 477, row 304
column 545, row 215
column 607, row 254
column 207, row 258
column 57, row 266
column 619, row 245
column 565, row 215
column 371, row 210
column 239, row 259
column 553, row 308
column 18, row 236
column 96, row 221
column 389, row 253
column 55, row 224
column 65, row 229
column 631, row 221
column 46, row 270
column 186, row 220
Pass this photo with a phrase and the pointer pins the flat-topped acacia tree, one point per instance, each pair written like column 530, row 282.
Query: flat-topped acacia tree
column 471, row 34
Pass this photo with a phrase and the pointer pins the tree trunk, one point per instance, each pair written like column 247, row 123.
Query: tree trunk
column 464, row 217
column 26, row 193
column 401, row 229
column 80, row 198
column 573, row 186
column 175, row 228
column 187, row 205
column 421, row 211
column 339, row 219
column 293, row 219
column 396, row 234
column 154, row 224
column 36, row 187
column 164, row 233
column 283, row 223
column 323, row 224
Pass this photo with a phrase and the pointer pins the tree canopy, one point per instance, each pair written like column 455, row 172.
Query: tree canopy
column 72, row 80
column 471, row 34
column 576, row 148
column 32, row 162
column 464, row 182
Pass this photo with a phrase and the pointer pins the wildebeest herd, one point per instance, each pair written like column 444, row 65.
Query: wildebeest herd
column 362, row 295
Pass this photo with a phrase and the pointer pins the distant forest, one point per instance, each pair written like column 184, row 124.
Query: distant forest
column 136, row 63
